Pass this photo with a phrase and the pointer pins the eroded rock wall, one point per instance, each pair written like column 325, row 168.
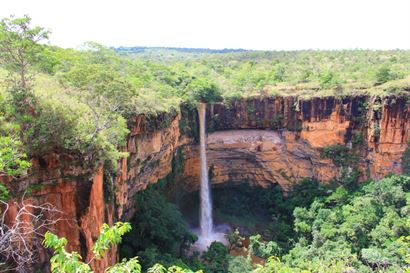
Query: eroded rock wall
column 257, row 141
column 257, row 157
column 378, row 127
column 73, row 190
column 150, row 155
column 388, row 134
column 89, row 197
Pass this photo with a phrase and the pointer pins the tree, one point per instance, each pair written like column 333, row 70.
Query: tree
column 234, row 239
column 360, row 230
column 65, row 262
column 262, row 249
column 12, row 161
column 71, row 262
column 216, row 257
column 12, row 158
column 19, row 236
column 274, row 265
column 159, row 231
column 383, row 75
column 327, row 80
column 279, row 73
column 239, row 264
column 20, row 48
column 204, row 90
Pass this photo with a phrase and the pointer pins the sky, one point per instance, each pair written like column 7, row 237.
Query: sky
column 248, row 24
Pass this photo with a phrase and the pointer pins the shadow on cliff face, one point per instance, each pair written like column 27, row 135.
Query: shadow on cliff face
column 251, row 209
column 238, row 205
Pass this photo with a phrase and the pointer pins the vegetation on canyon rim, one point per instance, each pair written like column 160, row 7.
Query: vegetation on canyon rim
column 79, row 101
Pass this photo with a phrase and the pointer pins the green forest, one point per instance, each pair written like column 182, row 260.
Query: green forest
column 336, row 228
column 80, row 101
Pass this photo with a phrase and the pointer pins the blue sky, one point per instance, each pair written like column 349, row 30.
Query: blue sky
column 255, row 24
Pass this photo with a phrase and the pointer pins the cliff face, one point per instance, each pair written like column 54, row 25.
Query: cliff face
column 291, row 136
column 60, row 180
column 257, row 141
column 388, row 135
column 87, row 198
column 258, row 157
column 151, row 151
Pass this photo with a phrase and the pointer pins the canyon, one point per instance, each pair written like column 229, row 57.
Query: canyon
column 258, row 140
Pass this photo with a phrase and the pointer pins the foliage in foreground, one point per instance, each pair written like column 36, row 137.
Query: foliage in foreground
column 71, row 262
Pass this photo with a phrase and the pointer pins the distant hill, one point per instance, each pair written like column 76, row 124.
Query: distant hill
column 143, row 49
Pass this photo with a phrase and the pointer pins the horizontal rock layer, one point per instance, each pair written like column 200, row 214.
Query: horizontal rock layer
column 258, row 157
column 257, row 141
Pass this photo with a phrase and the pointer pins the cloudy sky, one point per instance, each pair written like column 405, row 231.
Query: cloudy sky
column 249, row 24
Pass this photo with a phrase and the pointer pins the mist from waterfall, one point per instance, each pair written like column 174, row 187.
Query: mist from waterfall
column 206, row 221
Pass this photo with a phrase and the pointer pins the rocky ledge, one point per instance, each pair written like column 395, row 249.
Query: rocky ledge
column 257, row 141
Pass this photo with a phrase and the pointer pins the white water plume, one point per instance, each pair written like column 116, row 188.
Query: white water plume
column 206, row 221
column 207, row 233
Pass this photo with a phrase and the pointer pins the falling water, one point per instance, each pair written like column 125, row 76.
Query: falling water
column 206, row 222
column 207, row 233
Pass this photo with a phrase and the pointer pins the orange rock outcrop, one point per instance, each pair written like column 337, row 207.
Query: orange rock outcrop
column 257, row 141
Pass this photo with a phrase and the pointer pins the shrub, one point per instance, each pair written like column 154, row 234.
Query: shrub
column 384, row 75
column 328, row 80
column 239, row 264
column 263, row 249
column 339, row 154
column 216, row 257
column 234, row 239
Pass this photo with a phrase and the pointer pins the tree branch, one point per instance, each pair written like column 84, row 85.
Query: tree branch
column 19, row 239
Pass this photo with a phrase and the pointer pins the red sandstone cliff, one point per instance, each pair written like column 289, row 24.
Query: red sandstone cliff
column 279, row 140
column 258, row 141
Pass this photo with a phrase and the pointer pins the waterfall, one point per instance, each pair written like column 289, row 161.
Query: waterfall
column 207, row 233
column 206, row 222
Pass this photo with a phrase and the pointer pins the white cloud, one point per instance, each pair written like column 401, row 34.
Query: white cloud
column 251, row 24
